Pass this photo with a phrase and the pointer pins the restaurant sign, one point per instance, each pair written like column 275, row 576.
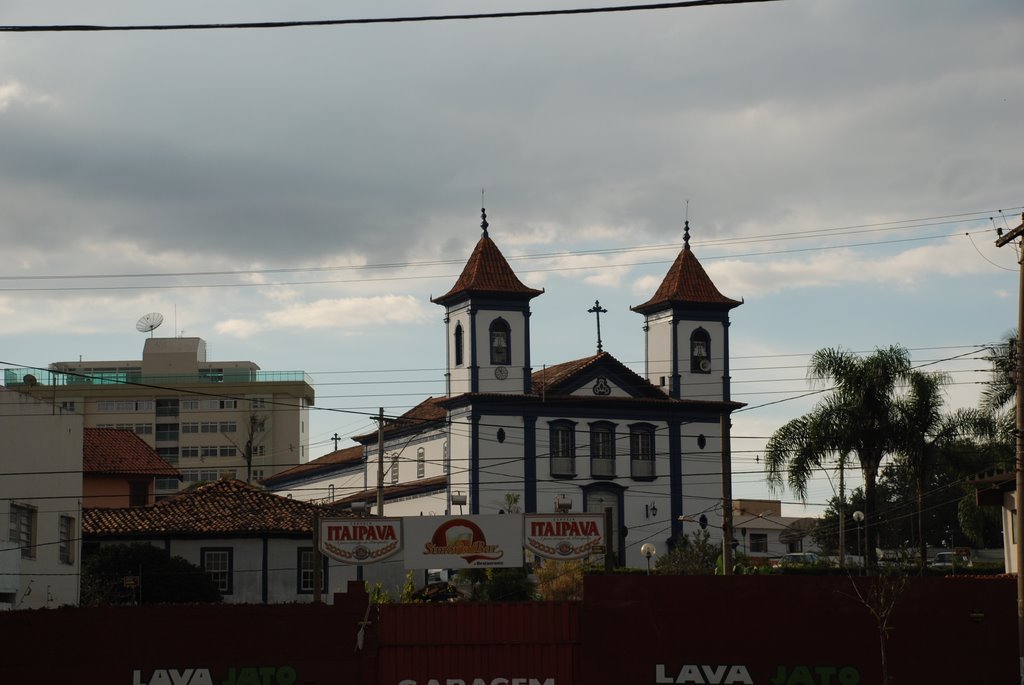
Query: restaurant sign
column 463, row 542
column 563, row 536
column 360, row 541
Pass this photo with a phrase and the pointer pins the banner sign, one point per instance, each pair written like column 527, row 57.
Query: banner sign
column 463, row 542
column 563, row 536
column 360, row 541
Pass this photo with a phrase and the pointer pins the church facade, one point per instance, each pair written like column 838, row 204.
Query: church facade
column 586, row 435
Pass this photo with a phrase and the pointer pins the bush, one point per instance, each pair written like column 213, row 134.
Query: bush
column 155, row 577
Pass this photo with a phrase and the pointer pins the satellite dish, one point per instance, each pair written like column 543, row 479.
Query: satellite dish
column 29, row 380
column 147, row 323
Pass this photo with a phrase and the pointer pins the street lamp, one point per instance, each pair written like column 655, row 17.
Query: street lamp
column 648, row 551
column 858, row 516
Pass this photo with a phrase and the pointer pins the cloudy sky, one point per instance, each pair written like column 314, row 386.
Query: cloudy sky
column 295, row 195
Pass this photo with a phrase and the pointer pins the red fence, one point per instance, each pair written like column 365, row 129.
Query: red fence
column 774, row 630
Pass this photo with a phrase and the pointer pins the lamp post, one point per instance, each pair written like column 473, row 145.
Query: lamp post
column 858, row 516
column 648, row 551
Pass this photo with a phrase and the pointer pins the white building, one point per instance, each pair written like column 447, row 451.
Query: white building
column 257, row 546
column 203, row 416
column 590, row 433
column 40, row 503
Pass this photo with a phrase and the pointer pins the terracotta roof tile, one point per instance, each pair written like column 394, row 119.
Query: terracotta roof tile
column 430, row 410
column 686, row 283
column 407, row 489
column 116, row 451
column 487, row 272
column 224, row 507
column 345, row 457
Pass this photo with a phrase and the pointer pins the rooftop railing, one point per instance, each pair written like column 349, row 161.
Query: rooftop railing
column 49, row 377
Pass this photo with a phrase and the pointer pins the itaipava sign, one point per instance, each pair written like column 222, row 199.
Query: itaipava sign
column 563, row 536
column 361, row 541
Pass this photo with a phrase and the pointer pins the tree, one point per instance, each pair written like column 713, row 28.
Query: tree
column 692, row 555
column 560, row 580
column 858, row 417
column 142, row 574
column 927, row 439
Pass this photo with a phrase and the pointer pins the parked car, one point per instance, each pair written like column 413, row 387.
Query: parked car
column 799, row 559
column 950, row 559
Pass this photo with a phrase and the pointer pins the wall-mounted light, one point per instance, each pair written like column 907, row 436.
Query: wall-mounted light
column 654, row 509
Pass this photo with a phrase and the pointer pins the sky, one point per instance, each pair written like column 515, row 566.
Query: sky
column 295, row 196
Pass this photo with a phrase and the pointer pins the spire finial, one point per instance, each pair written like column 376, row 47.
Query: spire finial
column 483, row 213
column 686, row 235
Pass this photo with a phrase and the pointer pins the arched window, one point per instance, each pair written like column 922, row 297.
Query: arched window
column 700, row 351
column 641, row 451
column 562, row 448
column 458, row 344
column 500, row 343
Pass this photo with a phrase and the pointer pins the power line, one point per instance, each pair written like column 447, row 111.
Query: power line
column 65, row 28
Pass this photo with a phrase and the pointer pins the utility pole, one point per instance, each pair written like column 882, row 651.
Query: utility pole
column 1018, row 501
column 380, row 462
column 726, row 496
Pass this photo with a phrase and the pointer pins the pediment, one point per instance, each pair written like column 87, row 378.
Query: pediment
column 599, row 376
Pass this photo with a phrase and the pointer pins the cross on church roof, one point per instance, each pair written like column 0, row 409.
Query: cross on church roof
column 597, row 310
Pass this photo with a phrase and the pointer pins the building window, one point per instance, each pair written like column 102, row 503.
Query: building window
column 167, row 407
column 305, row 566
column 458, row 344
column 217, row 562
column 165, row 484
column 138, row 493
column 562, row 448
column 207, row 451
column 641, row 451
column 421, row 462
column 189, row 452
column 602, row 450
column 166, row 431
column 228, row 427
column 228, row 451
column 208, row 427
column 759, row 543
column 500, row 335
column 23, row 529
column 700, row 351
column 394, row 469
column 190, row 427
column 168, row 454
column 66, row 540
column 68, row 406
column 192, row 405
column 258, row 403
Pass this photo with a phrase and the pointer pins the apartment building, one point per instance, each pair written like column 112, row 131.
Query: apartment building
column 208, row 418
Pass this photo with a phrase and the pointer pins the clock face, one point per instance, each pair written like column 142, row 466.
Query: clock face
column 500, row 372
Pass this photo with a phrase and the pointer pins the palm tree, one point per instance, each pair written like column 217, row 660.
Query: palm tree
column 927, row 437
column 859, row 417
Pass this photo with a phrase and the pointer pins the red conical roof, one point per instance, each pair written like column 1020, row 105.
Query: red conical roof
column 686, row 283
column 488, row 273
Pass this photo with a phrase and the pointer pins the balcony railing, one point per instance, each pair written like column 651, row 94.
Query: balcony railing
column 48, row 377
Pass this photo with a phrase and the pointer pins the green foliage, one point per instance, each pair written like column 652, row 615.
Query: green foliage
column 692, row 555
column 378, row 593
column 158, row 577
column 561, row 580
column 498, row 584
column 408, row 589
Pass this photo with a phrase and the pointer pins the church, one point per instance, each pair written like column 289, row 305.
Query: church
column 582, row 436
